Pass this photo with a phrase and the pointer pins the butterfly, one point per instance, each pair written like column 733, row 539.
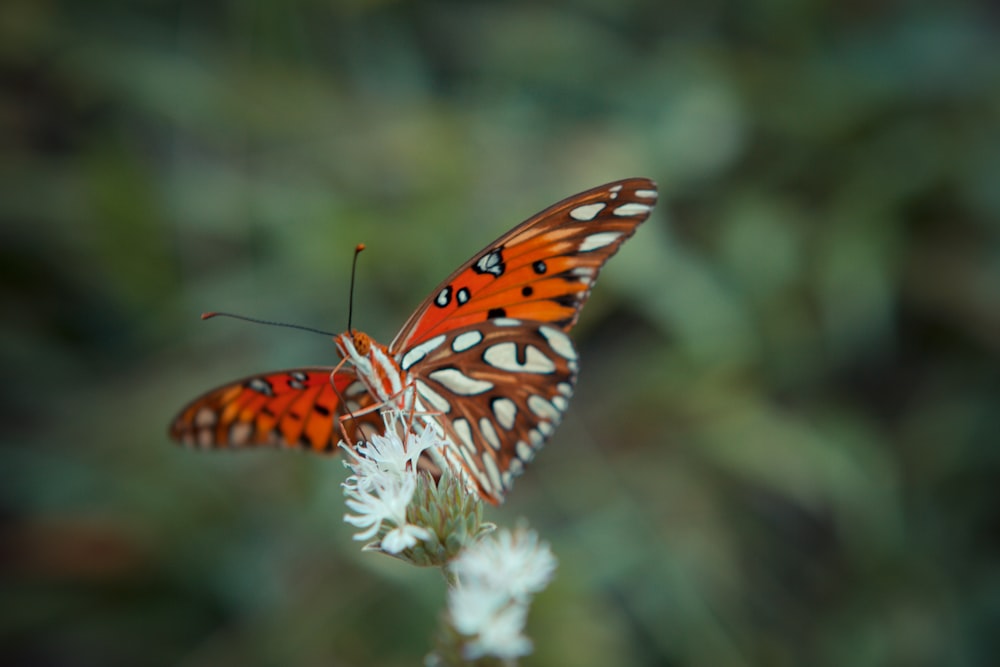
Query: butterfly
column 485, row 360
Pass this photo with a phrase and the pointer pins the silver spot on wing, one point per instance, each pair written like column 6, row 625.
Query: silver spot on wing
column 464, row 341
column 599, row 240
column 504, row 357
column 632, row 208
column 434, row 399
column 505, row 410
column 587, row 212
column 458, row 382
column 489, row 433
column 559, row 342
column 418, row 352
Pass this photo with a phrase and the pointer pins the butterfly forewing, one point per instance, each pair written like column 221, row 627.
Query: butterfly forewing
column 542, row 270
column 487, row 352
column 295, row 408
column 500, row 389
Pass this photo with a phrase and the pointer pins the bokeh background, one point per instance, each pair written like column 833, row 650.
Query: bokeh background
column 784, row 447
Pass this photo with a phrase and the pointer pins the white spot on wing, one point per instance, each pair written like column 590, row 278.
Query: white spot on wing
column 457, row 382
column 489, row 433
column 560, row 402
column 493, row 472
column 505, row 410
column 559, row 342
column 586, row 212
column 542, row 408
column 536, row 438
column 546, row 428
column 515, row 466
column 204, row 417
column 583, row 274
column 525, row 452
column 491, row 262
column 504, row 357
column 464, row 341
column 599, row 240
column 464, row 432
column 632, row 208
column 261, row 386
column 506, row 322
column 436, row 400
column 240, row 432
column 418, row 352
column 646, row 194
column 565, row 388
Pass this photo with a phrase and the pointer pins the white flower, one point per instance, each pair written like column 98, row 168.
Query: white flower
column 383, row 483
column 389, row 453
column 502, row 636
column 377, row 498
column 515, row 562
column 403, row 537
column 495, row 578
column 472, row 608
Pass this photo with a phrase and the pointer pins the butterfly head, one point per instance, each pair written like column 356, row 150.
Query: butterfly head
column 353, row 345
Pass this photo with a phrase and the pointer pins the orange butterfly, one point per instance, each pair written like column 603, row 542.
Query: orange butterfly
column 484, row 360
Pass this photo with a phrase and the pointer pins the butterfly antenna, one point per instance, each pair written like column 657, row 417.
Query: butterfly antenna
column 350, row 299
column 210, row 315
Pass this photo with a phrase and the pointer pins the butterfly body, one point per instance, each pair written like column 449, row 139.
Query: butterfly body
column 484, row 361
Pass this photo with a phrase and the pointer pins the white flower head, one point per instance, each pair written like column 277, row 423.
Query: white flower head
column 495, row 579
column 378, row 498
column 383, row 481
column 502, row 637
column 514, row 561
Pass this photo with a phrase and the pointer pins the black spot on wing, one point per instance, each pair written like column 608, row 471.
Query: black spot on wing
column 492, row 262
column 443, row 298
column 568, row 300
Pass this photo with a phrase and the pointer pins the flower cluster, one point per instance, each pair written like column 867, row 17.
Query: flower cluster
column 494, row 581
column 382, row 484
column 424, row 521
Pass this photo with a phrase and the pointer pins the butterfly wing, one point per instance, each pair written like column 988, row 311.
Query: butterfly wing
column 293, row 409
column 500, row 389
column 541, row 271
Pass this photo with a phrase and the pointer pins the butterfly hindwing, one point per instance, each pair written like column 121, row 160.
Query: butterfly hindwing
column 542, row 270
column 295, row 409
column 500, row 389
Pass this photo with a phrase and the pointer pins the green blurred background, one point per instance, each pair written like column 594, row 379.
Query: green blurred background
column 783, row 450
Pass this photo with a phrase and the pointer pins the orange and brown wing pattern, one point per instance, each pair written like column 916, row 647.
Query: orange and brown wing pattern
column 293, row 409
column 542, row 270
column 500, row 389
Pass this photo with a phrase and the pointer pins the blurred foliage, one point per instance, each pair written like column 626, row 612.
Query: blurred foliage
column 783, row 450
